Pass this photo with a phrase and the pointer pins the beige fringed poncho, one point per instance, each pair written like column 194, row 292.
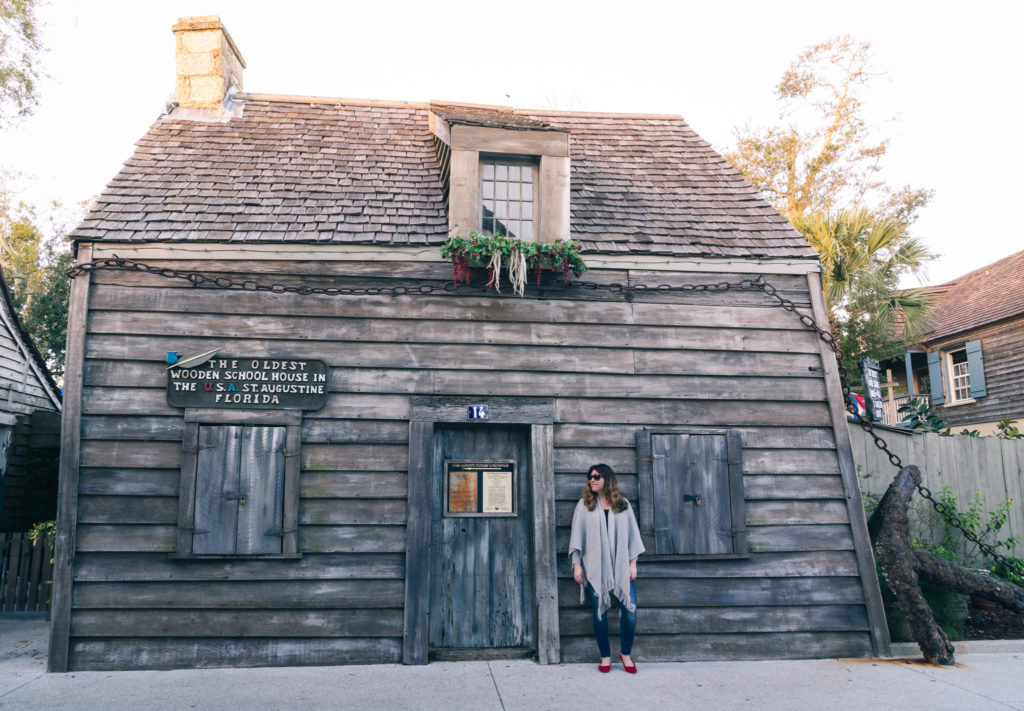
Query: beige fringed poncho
column 605, row 551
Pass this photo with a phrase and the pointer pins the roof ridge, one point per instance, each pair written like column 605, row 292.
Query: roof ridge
column 396, row 103
column 337, row 101
column 599, row 114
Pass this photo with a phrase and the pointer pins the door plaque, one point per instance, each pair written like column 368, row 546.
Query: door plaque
column 480, row 487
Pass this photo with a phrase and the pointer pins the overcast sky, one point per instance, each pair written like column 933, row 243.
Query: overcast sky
column 950, row 100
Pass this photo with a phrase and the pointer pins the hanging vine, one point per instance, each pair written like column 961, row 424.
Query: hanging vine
column 520, row 258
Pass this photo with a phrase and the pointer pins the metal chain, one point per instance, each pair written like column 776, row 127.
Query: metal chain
column 223, row 282
column 628, row 290
column 894, row 459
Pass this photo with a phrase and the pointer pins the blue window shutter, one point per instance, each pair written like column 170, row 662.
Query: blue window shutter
column 976, row 367
column 935, row 375
column 910, row 375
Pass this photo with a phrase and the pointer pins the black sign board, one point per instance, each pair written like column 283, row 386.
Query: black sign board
column 872, row 388
column 249, row 383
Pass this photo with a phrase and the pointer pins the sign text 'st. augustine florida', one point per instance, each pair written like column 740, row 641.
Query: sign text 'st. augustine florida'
column 261, row 383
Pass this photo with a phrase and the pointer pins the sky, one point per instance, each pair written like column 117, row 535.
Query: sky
column 949, row 100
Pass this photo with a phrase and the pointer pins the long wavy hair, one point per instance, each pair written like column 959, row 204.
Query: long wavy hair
column 611, row 488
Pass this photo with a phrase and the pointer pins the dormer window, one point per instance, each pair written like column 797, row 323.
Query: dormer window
column 506, row 174
column 507, row 197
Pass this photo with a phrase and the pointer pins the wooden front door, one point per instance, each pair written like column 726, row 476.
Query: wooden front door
column 481, row 583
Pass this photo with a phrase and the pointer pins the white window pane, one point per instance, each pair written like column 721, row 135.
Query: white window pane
column 506, row 194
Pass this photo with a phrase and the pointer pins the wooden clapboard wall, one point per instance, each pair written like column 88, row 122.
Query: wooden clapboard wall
column 725, row 359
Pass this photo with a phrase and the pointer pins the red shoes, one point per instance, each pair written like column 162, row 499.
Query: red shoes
column 605, row 668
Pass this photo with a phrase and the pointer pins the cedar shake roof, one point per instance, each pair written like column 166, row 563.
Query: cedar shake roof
column 293, row 169
column 986, row 295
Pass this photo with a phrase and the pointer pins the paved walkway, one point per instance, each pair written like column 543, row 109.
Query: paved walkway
column 989, row 676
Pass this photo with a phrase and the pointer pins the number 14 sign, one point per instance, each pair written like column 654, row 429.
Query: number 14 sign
column 476, row 412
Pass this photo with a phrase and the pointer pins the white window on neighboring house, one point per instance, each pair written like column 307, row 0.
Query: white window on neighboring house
column 507, row 197
column 957, row 374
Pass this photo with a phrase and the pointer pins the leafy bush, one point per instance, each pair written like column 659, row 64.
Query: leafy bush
column 922, row 417
column 984, row 525
column 1008, row 573
column 1008, row 429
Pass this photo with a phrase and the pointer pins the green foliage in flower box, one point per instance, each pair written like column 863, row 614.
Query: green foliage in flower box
column 562, row 256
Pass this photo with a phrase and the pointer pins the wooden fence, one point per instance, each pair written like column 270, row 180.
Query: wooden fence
column 27, row 574
column 968, row 465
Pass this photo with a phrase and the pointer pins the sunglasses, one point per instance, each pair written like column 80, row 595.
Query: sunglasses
column 593, row 477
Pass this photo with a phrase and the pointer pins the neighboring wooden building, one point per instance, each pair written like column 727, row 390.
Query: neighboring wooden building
column 970, row 361
column 29, row 420
column 327, row 527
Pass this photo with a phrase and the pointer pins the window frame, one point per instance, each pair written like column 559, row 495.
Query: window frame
column 951, row 376
column 646, row 503
column 941, row 373
column 291, row 420
column 512, row 160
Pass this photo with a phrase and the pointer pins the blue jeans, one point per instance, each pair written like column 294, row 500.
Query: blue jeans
column 627, row 623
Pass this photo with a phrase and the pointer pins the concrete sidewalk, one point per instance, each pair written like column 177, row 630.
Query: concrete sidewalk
column 984, row 679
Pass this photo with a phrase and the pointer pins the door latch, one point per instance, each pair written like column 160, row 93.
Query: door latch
column 695, row 498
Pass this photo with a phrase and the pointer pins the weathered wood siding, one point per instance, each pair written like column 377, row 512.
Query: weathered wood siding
column 30, row 481
column 28, row 474
column 1002, row 348
column 21, row 392
column 721, row 359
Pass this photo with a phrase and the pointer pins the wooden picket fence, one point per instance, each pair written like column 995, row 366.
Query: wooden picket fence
column 990, row 466
column 27, row 574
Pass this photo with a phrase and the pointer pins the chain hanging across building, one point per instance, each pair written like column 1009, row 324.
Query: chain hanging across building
column 758, row 284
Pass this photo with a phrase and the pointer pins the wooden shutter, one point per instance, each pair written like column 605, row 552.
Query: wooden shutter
column 217, row 490
column 935, row 376
column 261, row 482
column 697, row 494
column 976, row 368
column 239, row 490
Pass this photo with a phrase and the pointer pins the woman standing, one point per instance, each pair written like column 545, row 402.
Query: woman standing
column 603, row 547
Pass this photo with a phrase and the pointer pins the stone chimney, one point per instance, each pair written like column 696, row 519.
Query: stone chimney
column 207, row 62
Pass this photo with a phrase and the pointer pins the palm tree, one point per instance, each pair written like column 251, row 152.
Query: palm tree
column 863, row 256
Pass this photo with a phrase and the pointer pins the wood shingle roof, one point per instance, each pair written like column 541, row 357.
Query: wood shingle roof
column 987, row 295
column 290, row 169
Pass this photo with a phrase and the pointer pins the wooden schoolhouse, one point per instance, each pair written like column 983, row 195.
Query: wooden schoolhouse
column 290, row 439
